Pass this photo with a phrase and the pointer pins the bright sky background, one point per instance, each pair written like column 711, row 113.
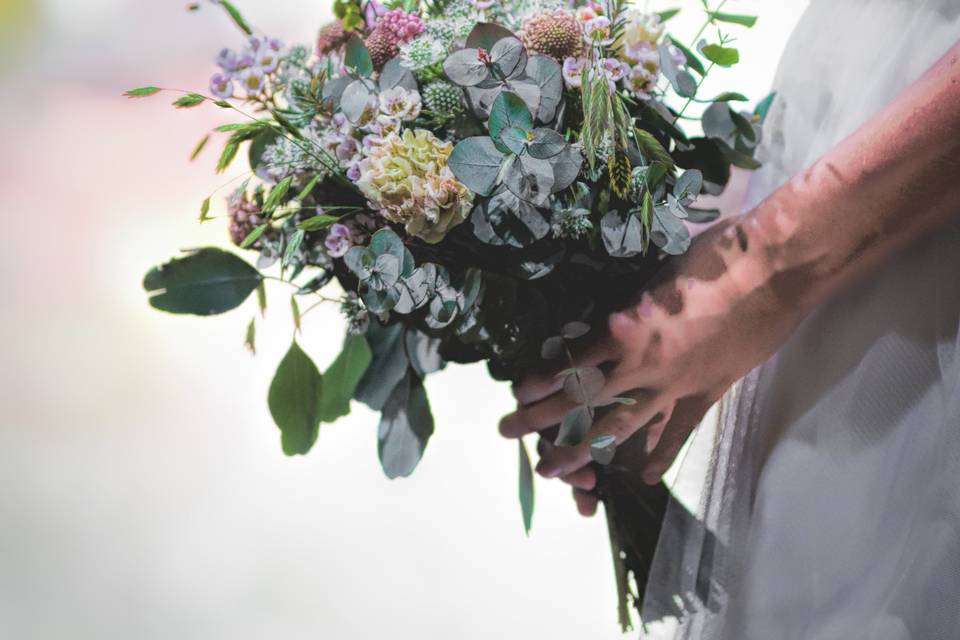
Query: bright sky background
column 142, row 489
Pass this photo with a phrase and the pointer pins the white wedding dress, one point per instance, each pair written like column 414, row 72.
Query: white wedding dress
column 831, row 510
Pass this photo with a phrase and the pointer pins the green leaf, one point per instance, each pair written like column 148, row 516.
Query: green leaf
column 204, row 282
column 574, row 426
column 205, row 209
column 356, row 57
column 730, row 96
column 651, row 148
column 763, row 107
column 262, row 300
column 308, row 188
column 388, row 367
column 276, row 194
column 317, row 222
column 526, row 487
column 294, row 401
column 295, row 311
column 476, row 163
column 666, row 14
column 199, row 147
column 603, row 448
column 406, row 425
column 250, row 338
column 508, row 111
column 188, row 101
column 230, row 149
column 142, row 92
column 293, row 243
column 692, row 60
column 236, row 17
column 746, row 21
column 343, row 376
column 253, row 236
column 723, row 56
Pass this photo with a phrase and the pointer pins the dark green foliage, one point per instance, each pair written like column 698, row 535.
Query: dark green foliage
column 203, row 282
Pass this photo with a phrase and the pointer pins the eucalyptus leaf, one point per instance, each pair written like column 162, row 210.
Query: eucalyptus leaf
column 622, row 234
column 360, row 261
column 529, row 178
column 668, row 232
column 723, row 56
column 465, row 68
column 552, row 348
column 701, row 216
column 358, row 99
column 546, row 74
column 294, row 400
column 566, row 167
column 574, row 330
column 356, row 57
column 486, row 34
column 333, row 90
column 204, row 282
column 509, row 111
column 717, row 121
column 476, row 163
column 688, row 186
column 424, row 352
column 342, row 376
column 584, row 384
column 406, row 425
column 509, row 56
column 388, row 366
column 603, row 448
column 546, row 143
column 394, row 74
column 574, row 427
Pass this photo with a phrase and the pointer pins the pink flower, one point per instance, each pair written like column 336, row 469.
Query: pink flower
column 572, row 70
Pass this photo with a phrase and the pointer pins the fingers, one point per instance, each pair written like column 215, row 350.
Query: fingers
column 687, row 414
column 538, row 386
column 537, row 416
column 586, row 502
column 584, row 478
column 621, row 422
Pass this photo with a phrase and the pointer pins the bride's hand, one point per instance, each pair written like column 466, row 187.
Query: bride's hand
column 705, row 324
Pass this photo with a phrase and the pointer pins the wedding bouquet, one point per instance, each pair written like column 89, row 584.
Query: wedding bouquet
column 481, row 181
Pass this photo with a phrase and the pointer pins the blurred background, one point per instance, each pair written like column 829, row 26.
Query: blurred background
column 143, row 493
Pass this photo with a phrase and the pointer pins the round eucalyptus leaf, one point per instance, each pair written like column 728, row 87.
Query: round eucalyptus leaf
column 584, row 384
column 546, row 74
column 668, row 231
column 465, row 68
column 486, row 34
column 514, row 139
column 333, row 90
column 505, row 219
column 702, row 216
column 204, row 282
column 529, row 179
column 476, row 163
column 388, row 366
column 717, row 121
column 566, row 167
column 622, row 234
column 529, row 91
column 574, row 330
column 380, row 300
column 552, row 348
column 470, row 291
column 358, row 101
column 424, row 352
column 688, row 186
column 509, row 111
column 546, row 143
column 359, row 260
column 509, row 56
column 386, row 268
column 675, row 207
column 394, row 74
column 603, row 449
column 574, row 427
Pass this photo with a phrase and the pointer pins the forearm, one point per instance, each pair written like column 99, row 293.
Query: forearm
column 894, row 180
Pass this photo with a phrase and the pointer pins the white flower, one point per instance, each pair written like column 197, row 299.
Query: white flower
column 641, row 82
column 641, row 27
column 400, row 103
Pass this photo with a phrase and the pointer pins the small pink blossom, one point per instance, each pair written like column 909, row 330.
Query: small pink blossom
column 572, row 70
column 339, row 240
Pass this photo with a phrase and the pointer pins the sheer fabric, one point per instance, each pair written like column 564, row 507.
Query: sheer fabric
column 832, row 505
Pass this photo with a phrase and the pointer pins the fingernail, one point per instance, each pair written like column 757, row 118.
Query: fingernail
column 650, row 441
column 651, row 476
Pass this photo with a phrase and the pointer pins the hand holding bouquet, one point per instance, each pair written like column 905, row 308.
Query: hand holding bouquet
column 483, row 182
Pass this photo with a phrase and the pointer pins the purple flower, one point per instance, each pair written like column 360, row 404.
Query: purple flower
column 228, row 60
column 339, row 240
column 221, row 85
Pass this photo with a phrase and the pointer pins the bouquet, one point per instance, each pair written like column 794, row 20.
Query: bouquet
column 477, row 181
